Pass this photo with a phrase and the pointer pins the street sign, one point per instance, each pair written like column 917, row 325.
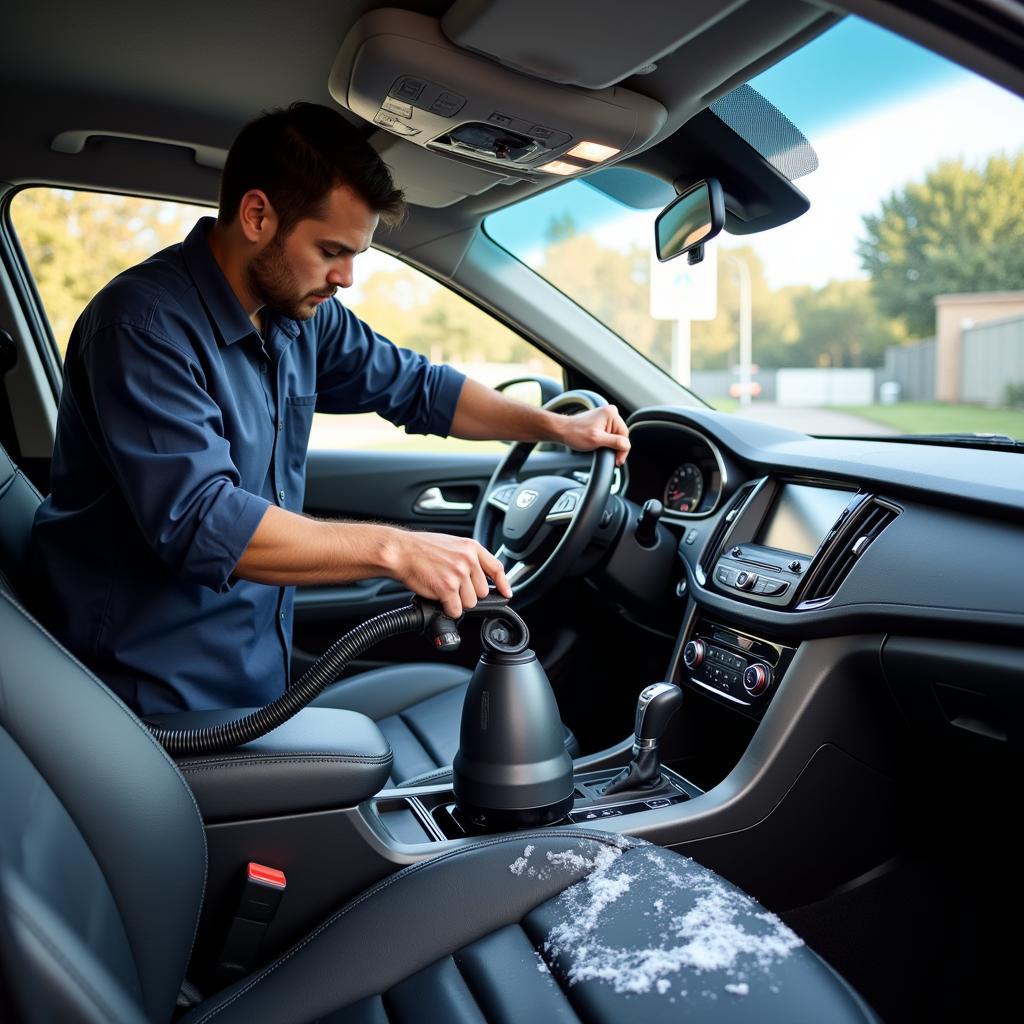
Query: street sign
column 682, row 292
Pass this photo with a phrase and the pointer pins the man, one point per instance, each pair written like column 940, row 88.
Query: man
column 172, row 538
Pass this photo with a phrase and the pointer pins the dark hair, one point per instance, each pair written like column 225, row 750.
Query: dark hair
column 297, row 156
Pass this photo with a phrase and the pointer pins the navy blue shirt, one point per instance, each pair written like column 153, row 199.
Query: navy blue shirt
column 178, row 426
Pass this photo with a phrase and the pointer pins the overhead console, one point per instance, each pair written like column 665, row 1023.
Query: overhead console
column 398, row 70
column 789, row 543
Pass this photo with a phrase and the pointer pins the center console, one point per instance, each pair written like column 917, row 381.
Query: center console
column 736, row 667
column 431, row 815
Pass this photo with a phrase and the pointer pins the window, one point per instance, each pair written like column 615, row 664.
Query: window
column 414, row 311
column 893, row 305
column 75, row 242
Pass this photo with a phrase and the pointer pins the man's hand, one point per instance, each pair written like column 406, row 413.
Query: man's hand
column 451, row 570
column 483, row 414
column 596, row 428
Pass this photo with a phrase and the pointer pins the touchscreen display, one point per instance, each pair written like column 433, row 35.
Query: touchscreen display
column 801, row 518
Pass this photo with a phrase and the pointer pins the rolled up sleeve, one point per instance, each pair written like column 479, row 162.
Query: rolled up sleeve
column 359, row 370
column 162, row 437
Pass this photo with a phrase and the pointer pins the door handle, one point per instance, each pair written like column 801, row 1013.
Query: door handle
column 432, row 500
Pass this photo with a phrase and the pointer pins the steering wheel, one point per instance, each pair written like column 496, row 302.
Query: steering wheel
column 531, row 513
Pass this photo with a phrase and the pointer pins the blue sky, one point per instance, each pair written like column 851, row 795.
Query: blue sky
column 879, row 111
column 853, row 68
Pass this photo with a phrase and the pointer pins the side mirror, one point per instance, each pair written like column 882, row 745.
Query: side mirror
column 536, row 391
column 690, row 220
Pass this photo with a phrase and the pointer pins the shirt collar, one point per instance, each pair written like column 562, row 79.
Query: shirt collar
column 216, row 293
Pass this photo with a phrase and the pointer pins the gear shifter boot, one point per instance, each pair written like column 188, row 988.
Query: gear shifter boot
column 642, row 773
column 656, row 705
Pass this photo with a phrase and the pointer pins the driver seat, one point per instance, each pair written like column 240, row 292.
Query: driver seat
column 417, row 706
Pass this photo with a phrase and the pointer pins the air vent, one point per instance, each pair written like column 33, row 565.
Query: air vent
column 715, row 543
column 836, row 561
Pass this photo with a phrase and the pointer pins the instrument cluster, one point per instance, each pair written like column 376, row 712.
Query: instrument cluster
column 676, row 464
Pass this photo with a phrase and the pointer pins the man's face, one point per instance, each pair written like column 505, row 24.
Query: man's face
column 298, row 271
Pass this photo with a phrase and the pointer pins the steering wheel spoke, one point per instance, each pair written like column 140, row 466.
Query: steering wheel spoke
column 565, row 508
column 576, row 505
column 518, row 573
column 500, row 497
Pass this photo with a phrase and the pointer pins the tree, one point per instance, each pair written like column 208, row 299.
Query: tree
column 840, row 325
column 613, row 285
column 715, row 343
column 75, row 242
column 960, row 230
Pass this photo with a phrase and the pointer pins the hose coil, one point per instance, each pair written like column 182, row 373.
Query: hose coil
column 214, row 739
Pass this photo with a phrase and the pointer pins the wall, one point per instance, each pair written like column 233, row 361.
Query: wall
column 824, row 386
column 993, row 356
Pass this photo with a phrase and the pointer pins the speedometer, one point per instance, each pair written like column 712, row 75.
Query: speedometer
column 685, row 488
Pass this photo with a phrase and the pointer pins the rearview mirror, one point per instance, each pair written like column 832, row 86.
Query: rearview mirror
column 690, row 220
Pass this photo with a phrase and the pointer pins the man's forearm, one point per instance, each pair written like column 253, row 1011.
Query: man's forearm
column 483, row 414
column 289, row 549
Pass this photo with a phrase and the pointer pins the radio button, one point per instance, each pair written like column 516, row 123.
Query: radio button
column 757, row 679
column 746, row 580
column 772, row 588
column 693, row 654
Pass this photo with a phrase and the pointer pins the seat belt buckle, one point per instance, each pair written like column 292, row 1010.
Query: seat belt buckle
column 261, row 895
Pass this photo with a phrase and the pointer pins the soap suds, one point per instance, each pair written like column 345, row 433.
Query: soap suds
column 721, row 929
column 519, row 865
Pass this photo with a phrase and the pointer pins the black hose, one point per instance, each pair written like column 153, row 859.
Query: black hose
column 213, row 739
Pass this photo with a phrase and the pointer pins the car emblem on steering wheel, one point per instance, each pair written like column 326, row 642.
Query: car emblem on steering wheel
column 524, row 499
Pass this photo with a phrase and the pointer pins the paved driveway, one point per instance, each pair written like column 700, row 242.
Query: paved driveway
column 810, row 420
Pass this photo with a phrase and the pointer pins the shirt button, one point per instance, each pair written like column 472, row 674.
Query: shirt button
column 263, row 367
column 280, row 425
column 280, row 495
column 282, row 616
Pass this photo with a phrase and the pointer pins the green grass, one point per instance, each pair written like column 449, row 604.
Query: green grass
column 724, row 404
column 940, row 418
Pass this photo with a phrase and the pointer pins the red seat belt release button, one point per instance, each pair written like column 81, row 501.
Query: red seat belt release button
column 261, row 895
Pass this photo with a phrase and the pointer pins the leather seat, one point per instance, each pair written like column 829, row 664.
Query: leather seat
column 102, row 875
column 418, row 707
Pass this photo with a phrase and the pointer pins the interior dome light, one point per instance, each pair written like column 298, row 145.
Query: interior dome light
column 593, row 151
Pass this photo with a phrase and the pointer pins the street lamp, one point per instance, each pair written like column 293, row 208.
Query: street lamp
column 746, row 340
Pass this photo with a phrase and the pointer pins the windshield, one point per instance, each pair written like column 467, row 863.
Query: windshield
column 895, row 305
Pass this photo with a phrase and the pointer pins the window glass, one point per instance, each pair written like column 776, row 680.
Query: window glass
column 414, row 311
column 75, row 242
column 894, row 305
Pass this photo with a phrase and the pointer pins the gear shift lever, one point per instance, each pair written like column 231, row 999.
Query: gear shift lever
column 656, row 705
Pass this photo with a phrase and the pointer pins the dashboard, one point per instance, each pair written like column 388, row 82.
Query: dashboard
column 779, row 539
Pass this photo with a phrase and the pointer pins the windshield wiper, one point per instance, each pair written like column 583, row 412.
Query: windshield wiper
column 1001, row 442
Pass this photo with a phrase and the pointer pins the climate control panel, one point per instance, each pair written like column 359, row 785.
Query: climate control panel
column 738, row 668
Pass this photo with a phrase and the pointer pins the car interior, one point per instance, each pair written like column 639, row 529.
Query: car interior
column 502, row 818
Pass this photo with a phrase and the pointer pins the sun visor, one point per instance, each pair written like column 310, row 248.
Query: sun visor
column 579, row 42
column 397, row 70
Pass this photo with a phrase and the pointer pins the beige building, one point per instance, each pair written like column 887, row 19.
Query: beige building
column 954, row 314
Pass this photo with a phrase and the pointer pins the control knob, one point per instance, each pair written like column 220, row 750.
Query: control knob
column 756, row 679
column 693, row 654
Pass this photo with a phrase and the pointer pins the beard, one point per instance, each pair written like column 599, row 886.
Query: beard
column 273, row 283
